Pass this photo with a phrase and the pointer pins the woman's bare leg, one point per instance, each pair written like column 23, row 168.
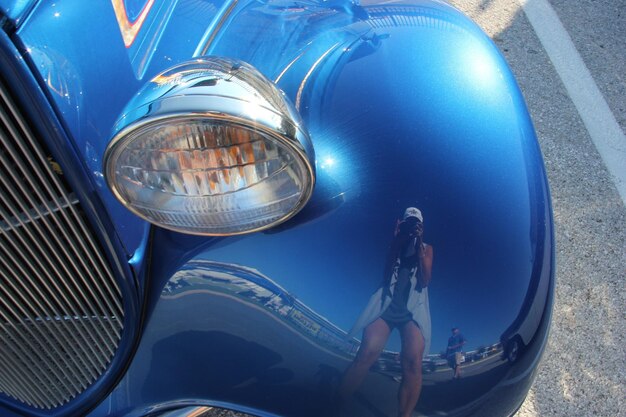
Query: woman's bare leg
column 411, row 356
column 375, row 336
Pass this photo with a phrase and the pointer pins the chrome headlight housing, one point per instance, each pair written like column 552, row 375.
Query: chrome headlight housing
column 211, row 147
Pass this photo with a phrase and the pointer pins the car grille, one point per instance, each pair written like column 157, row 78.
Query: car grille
column 61, row 313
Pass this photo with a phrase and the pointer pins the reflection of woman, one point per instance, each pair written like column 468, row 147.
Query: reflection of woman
column 401, row 302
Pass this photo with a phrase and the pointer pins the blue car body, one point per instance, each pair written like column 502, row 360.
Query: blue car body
column 407, row 103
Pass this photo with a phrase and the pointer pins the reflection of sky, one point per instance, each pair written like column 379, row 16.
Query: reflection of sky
column 412, row 137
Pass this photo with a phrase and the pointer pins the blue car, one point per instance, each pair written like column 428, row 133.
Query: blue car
column 294, row 208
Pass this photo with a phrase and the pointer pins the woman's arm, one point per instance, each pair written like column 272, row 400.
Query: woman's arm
column 426, row 253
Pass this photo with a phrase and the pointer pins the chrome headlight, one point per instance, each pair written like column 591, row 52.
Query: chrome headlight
column 211, row 147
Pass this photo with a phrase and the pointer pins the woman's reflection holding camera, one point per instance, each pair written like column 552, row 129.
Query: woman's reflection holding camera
column 401, row 302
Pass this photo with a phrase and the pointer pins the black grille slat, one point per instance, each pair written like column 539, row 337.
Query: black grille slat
column 18, row 384
column 44, row 253
column 31, row 355
column 20, row 316
column 60, row 306
column 60, row 222
column 53, row 307
column 51, row 184
column 27, row 217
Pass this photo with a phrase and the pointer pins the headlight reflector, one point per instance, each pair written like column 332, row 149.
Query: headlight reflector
column 217, row 157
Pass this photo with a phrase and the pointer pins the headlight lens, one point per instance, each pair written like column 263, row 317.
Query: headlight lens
column 224, row 169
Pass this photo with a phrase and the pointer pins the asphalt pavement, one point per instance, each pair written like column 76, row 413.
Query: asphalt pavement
column 583, row 371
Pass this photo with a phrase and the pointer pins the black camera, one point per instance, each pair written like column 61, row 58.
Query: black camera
column 411, row 226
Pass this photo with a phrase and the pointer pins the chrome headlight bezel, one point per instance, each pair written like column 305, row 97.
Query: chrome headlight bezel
column 225, row 92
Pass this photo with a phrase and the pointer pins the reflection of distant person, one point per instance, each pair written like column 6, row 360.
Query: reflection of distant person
column 401, row 302
column 455, row 346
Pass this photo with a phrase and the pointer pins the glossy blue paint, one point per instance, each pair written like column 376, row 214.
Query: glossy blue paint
column 16, row 10
column 90, row 84
column 407, row 104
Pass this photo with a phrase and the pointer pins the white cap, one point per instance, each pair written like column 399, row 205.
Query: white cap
column 413, row 212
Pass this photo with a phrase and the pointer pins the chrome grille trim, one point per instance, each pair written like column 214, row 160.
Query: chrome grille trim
column 61, row 312
column 32, row 215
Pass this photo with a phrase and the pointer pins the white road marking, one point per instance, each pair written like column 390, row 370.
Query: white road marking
column 604, row 130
